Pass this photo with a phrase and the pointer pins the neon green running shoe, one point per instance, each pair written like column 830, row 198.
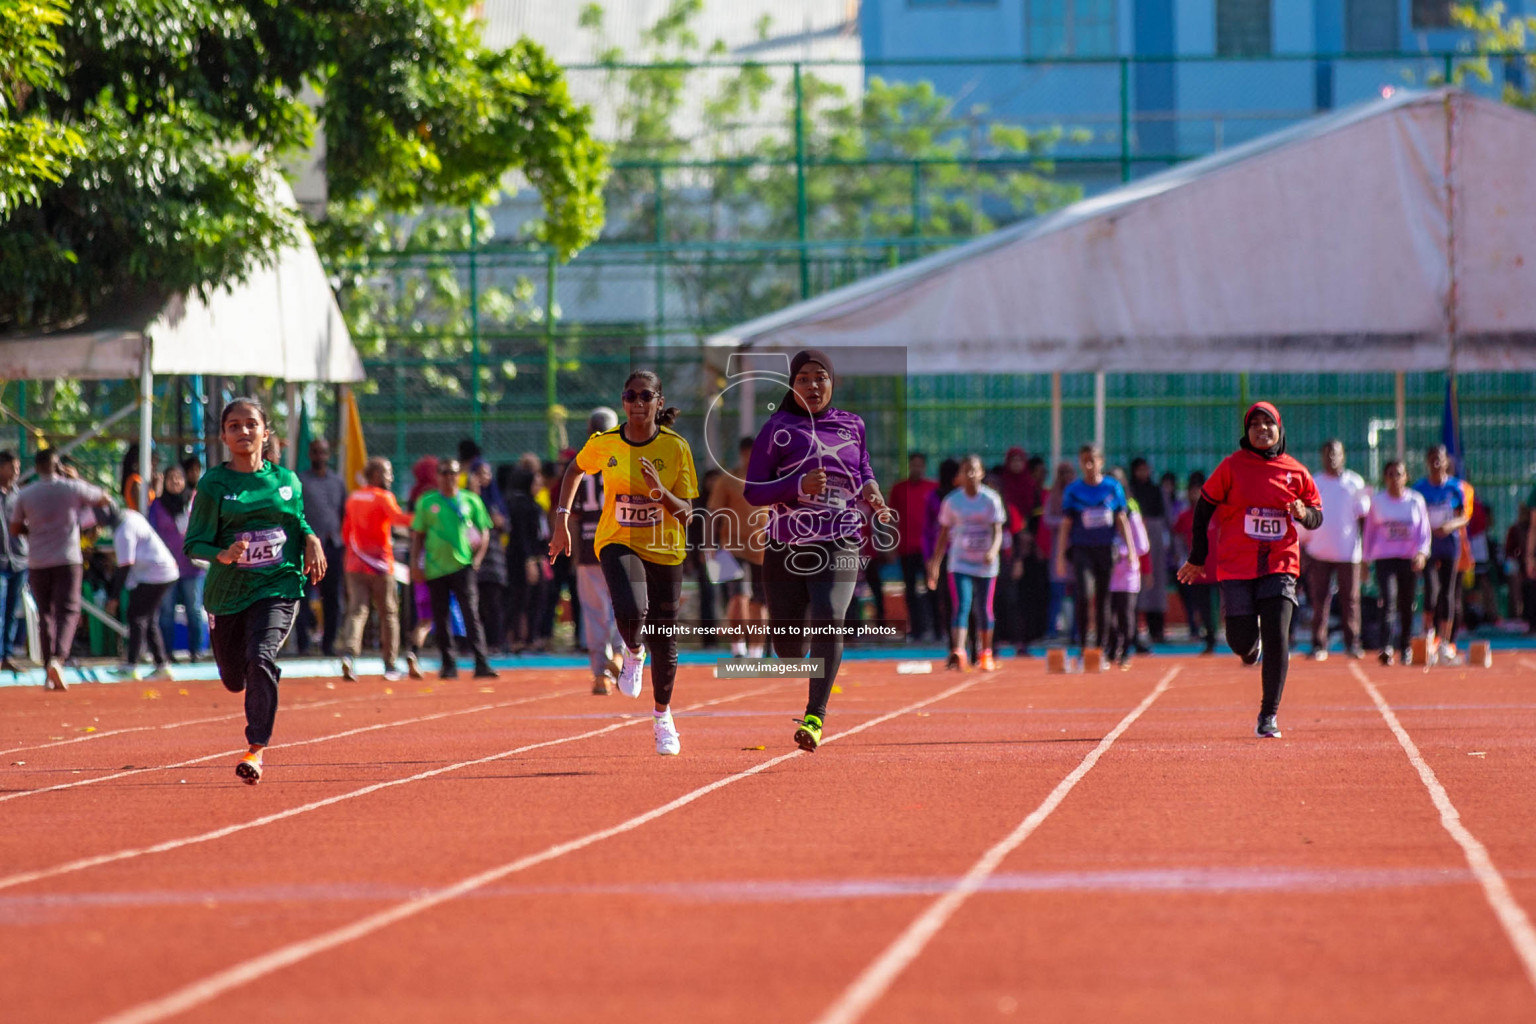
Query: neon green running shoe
column 808, row 736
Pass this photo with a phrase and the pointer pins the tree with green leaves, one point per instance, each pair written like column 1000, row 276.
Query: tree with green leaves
column 35, row 152
column 901, row 161
column 1495, row 30
column 187, row 108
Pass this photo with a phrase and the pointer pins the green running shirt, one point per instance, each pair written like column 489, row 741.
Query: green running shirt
column 265, row 508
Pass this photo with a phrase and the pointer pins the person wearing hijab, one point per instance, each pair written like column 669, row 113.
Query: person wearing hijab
column 169, row 514
column 810, row 465
column 1152, row 602
column 1258, row 495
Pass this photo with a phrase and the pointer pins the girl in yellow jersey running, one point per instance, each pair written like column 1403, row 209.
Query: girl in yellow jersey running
column 648, row 485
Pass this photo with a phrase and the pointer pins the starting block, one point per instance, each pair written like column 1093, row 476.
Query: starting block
column 1056, row 661
column 1093, row 659
column 1419, row 650
column 1480, row 654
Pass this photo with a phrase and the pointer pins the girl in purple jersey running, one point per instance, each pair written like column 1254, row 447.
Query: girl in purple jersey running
column 810, row 466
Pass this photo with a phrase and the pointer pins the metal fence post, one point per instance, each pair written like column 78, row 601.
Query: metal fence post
column 801, row 210
column 399, row 417
column 1125, row 119
column 551, row 390
column 917, row 199
column 661, row 255
column 474, row 329
column 21, row 429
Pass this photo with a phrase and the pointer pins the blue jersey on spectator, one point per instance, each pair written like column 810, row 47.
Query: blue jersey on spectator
column 1093, row 509
column 1444, row 502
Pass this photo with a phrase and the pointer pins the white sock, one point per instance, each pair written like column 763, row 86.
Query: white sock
column 661, row 714
column 754, row 650
column 739, row 649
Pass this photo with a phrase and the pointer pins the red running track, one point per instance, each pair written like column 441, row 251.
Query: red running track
column 439, row 852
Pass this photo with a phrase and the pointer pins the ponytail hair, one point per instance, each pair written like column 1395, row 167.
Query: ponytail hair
column 668, row 414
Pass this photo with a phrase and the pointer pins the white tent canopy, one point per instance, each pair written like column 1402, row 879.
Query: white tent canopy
column 282, row 322
column 1393, row 236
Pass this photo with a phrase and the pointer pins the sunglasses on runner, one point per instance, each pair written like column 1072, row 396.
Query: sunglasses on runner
column 631, row 395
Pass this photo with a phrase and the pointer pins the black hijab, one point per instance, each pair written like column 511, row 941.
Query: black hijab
column 791, row 401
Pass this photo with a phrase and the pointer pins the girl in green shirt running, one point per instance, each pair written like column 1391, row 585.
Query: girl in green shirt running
column 248, row 523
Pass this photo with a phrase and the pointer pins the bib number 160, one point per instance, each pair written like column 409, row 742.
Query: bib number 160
column 1265, row 525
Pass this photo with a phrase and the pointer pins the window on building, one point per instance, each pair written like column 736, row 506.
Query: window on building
column 1069, row 28
column 1242, row 28
column 1431, row 14
column 1370, row 26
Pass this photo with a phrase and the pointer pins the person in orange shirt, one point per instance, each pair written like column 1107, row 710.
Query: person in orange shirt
column 366, row 532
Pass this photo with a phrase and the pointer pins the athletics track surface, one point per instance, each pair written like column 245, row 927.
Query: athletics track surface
column 968, row 848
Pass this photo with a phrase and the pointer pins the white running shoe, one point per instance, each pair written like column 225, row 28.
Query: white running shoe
column 667, row 741
column 54, row 678
column 393, row 675
column 738, row 648
column 632, row 672
column 755, row 650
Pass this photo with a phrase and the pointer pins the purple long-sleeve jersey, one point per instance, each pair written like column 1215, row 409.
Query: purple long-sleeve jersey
column 790, row 445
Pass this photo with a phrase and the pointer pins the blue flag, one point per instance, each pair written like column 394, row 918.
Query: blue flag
column 1450, row 428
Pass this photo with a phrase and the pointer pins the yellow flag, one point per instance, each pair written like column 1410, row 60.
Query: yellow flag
column 354, row 452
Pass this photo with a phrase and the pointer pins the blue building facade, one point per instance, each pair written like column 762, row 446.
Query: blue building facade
column 1159, row 80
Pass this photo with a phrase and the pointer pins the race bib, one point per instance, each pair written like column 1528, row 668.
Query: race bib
column 1266, row 523
column 1097, row 518
column 1398, row 531
column 264, row 548
column 1439, row 515
column 976, row 540
column 836, row 494
column 635, row 510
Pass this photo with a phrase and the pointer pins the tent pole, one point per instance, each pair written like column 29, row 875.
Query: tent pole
column 1098, row 410
column 146, row 424
column 748, row 405
column 1402, row 416
column 1055, row 423
column 291, row 455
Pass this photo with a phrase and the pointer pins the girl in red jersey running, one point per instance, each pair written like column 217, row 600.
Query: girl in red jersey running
column 1257, row 495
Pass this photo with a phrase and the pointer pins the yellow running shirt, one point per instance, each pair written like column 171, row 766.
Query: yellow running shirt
column 630, row 517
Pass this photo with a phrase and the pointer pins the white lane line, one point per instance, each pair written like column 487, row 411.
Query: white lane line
column 10, row 881
column 214, row 985
column 1516, row 924
column 1527, row 663
column 178, row 725
column 291, row 743
column 870, row 985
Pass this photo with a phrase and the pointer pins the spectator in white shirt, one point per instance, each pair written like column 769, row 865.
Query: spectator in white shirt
column 1333, row 550
column 146, row 569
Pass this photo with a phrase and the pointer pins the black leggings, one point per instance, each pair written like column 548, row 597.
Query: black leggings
column 1397, row 582
column 1094, row 560
column 1273, row 625
column 245, row 646
column 144, row 622
column 1442, row 592
column 1199, row 609
column 809, row 588
column 646, row 596
column 1119, row 644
